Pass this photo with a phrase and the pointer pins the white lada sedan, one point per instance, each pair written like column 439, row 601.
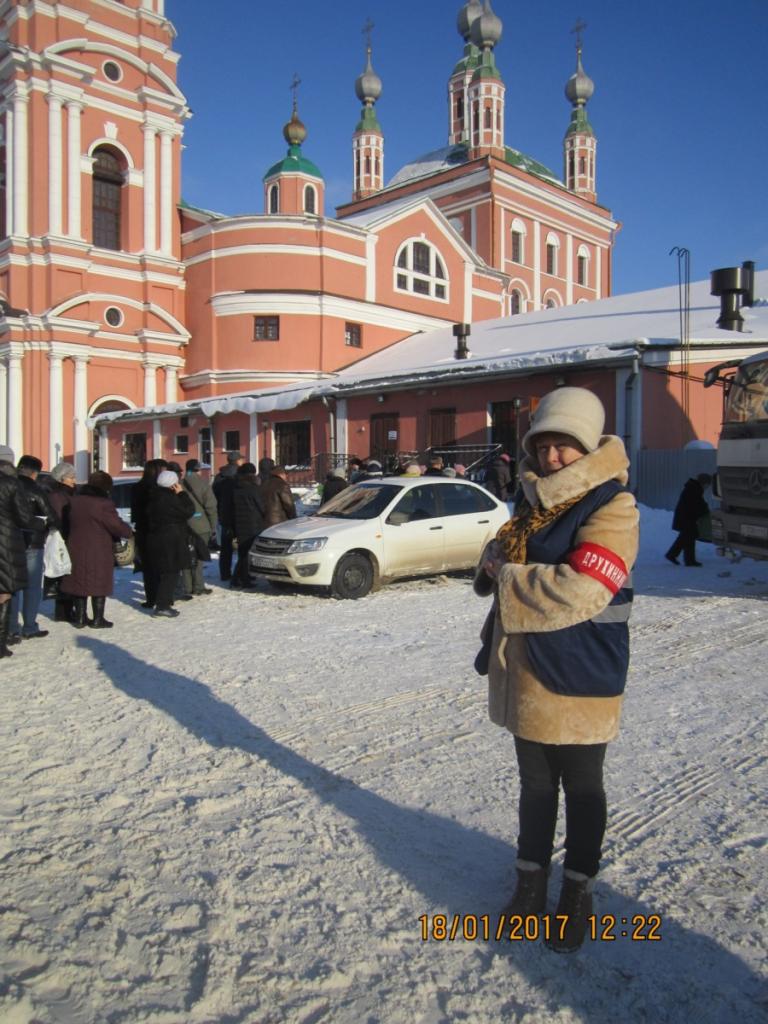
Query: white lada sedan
column 381, row 530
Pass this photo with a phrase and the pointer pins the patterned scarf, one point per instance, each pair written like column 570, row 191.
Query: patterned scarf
column 513, row 536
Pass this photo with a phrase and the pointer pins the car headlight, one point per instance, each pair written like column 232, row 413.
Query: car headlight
column 311, row 544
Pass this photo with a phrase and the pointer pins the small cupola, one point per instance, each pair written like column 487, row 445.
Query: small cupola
column 294, row 186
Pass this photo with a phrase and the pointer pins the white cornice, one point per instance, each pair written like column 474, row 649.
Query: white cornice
column 276, row 303
column 260, row 249
column 202, row 377
column 270, row 222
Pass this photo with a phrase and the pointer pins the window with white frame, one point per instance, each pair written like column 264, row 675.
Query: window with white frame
column 231, row 440
column 518, row 241
column 134, row 451
column 353, row 335
column 582, row 265
column 181, row 444
column 515, row 303
column 419, row 268
column 553, row 244
column 274, row 199
column 310, row 199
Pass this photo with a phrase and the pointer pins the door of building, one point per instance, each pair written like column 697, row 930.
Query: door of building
column 442, row 428
column 385, row 437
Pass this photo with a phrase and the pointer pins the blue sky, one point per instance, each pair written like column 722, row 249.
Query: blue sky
column 679, row 107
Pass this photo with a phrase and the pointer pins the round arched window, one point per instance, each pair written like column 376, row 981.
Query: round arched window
column 113, row 316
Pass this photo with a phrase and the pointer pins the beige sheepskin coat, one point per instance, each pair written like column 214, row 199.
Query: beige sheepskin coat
column 539, row 598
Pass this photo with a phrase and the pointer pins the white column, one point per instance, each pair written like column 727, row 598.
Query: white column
column 15, row 407
column 157, row 440
column 103, row 449
column 342, row 426
column 568, row 270
column 9, row 183
column 74, row 174
column 55, row 166
column 20, row 166
column 82, row 454
column 598, row 271
column 3, row 402
column 536, row 265
column 166, row 193
column 150, row 185
column 55, row 409
column 253, row 438
column 170, row 385
column 150, row 384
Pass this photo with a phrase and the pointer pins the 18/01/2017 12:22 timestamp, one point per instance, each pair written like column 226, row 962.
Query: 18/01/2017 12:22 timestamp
column 532, row 927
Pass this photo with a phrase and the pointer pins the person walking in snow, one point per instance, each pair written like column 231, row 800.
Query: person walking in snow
column 559, row 648
column 249, row 520
column 202, row 526
column 169, row 509
column 16, row 514
column 690, row 507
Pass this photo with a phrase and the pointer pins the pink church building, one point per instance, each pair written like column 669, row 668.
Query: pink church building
column 118, row 296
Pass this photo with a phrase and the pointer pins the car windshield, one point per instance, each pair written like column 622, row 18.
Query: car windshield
column 361, row 501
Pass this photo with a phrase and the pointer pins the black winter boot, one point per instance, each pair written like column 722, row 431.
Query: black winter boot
column 575, row 904
column 99, row 622
column 79, row 608
column 530, row 896
column 5, row 616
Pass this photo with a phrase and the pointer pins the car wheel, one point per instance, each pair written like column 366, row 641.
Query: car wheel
column 353, row 577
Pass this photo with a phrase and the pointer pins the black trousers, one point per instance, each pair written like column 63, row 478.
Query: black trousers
column 242, row 573
column 686, row 542
column 166, row 589
column 225, row 554
column 579, row 768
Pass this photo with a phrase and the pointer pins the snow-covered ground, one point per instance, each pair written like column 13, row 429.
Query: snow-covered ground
column 241, row 815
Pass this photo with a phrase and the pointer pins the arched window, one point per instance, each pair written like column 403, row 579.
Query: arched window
column 377, row 166
column 582, row 265
column 515, row 303
column 553, row 244
column 459, row 107
column 367, row 163
column 274, row 199
column 419, row 268
column 518, row 241
column 488, row 117
column 107, row 198
column 582, row 165
column 310, row 200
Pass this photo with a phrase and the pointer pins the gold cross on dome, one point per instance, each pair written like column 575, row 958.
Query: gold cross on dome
column 367, row 29
column 295, row 88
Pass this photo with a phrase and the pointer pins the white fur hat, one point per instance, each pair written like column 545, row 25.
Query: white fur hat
column 167, row 478
column 572, row 411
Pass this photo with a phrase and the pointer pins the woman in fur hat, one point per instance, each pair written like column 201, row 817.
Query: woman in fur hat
column 560, row 645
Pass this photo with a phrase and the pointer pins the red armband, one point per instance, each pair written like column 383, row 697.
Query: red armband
column 601, row 564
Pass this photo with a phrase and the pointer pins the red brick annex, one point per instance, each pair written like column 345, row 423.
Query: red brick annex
column 134, row 326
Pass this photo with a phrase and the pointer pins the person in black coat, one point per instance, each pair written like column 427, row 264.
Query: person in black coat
column 168, row 510
column 26, row 602
column 15, row 515
column 224, row 492
column 690, row 507
column 141, row 495
column 61, row 490
column 248, row 519
column 335, row 483
column 498, row 479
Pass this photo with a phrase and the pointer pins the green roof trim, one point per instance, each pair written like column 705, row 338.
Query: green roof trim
column 528, row 164
column 486, row 67
column 579, row 123
column 294, row 163
column 470, row 60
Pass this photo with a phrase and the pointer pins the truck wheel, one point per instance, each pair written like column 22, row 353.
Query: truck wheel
column 353, row 576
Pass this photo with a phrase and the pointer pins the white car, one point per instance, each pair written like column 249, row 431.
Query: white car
column 379, row 530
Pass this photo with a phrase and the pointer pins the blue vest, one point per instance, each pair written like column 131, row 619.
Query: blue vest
column 589, row 659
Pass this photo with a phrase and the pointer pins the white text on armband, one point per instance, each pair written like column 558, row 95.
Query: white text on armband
column 601, row 564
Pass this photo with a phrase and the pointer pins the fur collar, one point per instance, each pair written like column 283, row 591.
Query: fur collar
column 608, row 462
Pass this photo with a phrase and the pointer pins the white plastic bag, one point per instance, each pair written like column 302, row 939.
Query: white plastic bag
column 56, row 560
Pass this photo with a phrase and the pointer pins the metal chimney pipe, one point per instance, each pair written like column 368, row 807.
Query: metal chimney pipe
column 729, row 283
column 748, row 266
column 461, row 332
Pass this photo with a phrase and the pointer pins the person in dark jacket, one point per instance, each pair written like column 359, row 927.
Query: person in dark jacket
column 277, row 498
column 202, row 527
column 690, row 507
column 266, row 465
column 27, row 602
column 435, row 466
column 335, row 483
column 15, row 515
column 94, row 526
column 224, row 489
column 249, row 519
column 167, row 513
column 60, row 491
column 140, row 498
column 499, row 477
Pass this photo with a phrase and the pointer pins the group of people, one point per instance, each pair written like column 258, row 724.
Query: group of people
column 248, row 501
column 86, row 523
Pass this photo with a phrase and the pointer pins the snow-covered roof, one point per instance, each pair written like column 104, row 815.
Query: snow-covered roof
column 586, row 331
